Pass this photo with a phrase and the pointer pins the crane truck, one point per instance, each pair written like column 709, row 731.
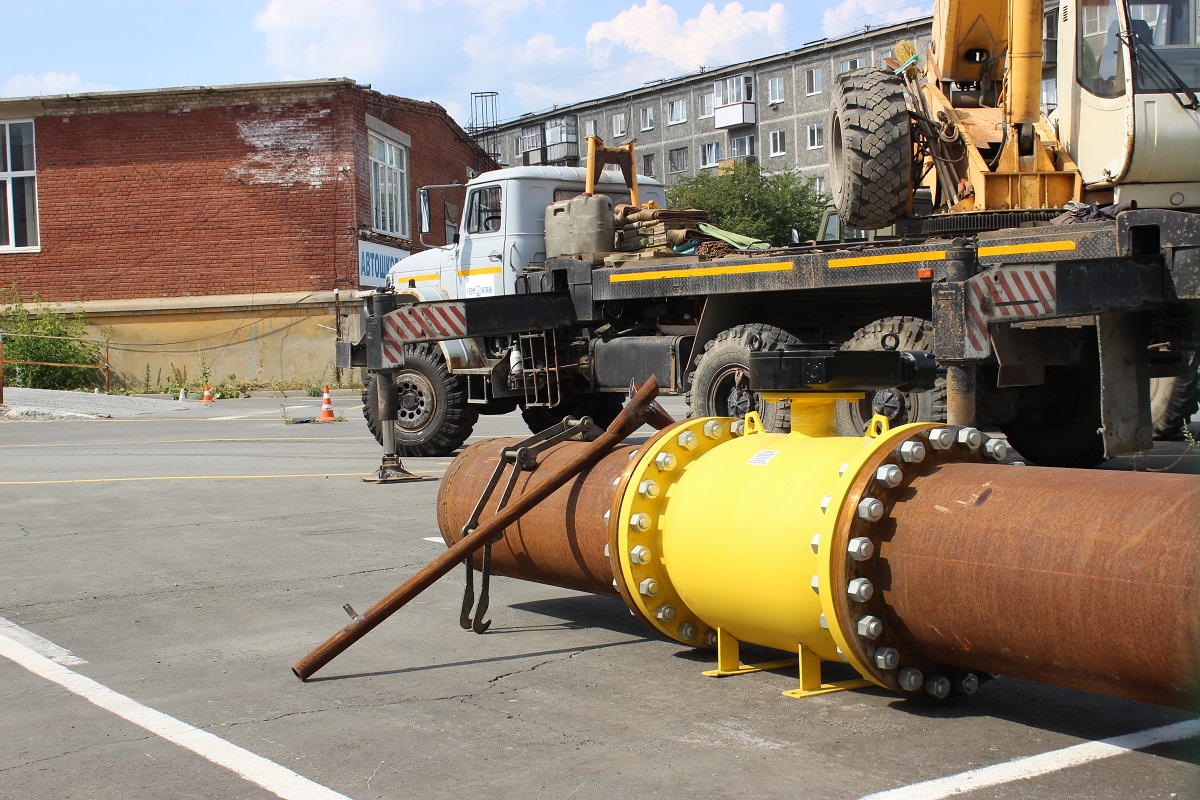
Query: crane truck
column 1050, row 332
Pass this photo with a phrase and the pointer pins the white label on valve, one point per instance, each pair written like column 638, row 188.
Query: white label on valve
column 762, row 457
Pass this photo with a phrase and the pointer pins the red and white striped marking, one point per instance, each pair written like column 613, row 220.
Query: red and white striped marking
column 421, row 323
column 1008, row 293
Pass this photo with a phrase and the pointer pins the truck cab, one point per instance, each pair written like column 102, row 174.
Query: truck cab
column 503, row 230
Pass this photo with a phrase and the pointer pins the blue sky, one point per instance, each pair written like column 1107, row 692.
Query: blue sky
column 535, row 53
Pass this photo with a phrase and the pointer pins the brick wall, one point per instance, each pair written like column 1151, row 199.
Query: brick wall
column 215, row 192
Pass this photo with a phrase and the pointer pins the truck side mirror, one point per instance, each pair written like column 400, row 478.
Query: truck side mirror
column 423, row 210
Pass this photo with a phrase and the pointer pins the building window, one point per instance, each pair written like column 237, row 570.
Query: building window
column 531, row 138
column 778, row 143
column 1049, row 94
column 741, row 146
column 389, row 186
column 589, row 128
column 775, row 90
column 812, row 81
column 851, row 64
column 706, row 105
column 739, row 89
column 648, row 165
column 484, row 210
column 816, row 135
column 18, row 186
column 819, row 185
column 562, row 130
column 710, row 154
column 619, row 124
column 677, row 111
column 648, row 118
column 887, row 54
column 677, row 160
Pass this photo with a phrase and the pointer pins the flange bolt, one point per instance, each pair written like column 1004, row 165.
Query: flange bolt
column 910, row 679
column 640, row 522
column 870, row 509
column 938, row 688
column 941, row 438
column 665, row 462
column 861, row 548
column 860, row 589
column 996, row 449
column 710, row 639
column 870, row 627
column 971, row 437
column 688, row 631
column 887, row 658
column 688, row 440
column 967, row 683
column 648, row 587
column 648, row 489
column 640, row 555
column 665, row 612
column 912, row 452
column 889, row 475
column 714, row 429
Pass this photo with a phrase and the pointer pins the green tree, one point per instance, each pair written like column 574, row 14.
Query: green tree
column 746, row 200
column 20, row 329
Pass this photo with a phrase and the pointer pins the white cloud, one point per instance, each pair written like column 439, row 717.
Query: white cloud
column 315, row 38
column 712, row 37
column 29, row 85
column 850, row 16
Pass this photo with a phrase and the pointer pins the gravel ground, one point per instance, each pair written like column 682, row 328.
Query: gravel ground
column 34, row 404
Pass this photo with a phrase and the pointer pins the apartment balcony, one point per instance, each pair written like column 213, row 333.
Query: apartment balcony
column 735, row 114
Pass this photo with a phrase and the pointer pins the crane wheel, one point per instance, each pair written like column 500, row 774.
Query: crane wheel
column 900, row 408
column 871, row 149
column 433, row 418
column 720, row 384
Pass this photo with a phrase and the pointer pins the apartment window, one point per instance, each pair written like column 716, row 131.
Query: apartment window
column 706, row 105
column 618, row 124
column 18, row 186
column 647, row 118
column 778, row 143
column 484, row 210
column 648, row 165
column 562, row 130
column 710, row 154
column 816, row 135
column 1049, row 94
column 852, row 64
column 741, row 146
column 739, row 89
column 589, row 128
column 775, row 90
column 677, row 111
column 677, row 160
column 531, row 138
column 887, row 54
column 812, row 81
column 389, row 185
column 819, row 185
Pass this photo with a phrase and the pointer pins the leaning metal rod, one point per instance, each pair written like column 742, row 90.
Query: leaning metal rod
column 641, row 408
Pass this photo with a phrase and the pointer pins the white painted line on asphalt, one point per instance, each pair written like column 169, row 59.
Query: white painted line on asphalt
column 254, row 768
column 434, row 539
column 39, row 645
column 258, row 414
column 1042, row 764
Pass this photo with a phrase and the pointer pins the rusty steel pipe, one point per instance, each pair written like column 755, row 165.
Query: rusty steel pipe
column 1081, row 579
column 572, row 556
column 640, row 409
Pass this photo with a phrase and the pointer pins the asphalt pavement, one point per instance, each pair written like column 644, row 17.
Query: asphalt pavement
column 166, row 566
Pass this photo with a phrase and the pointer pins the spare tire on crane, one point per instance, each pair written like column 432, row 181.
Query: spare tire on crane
column 871, row 149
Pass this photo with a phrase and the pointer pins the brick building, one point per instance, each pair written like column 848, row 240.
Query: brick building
column 214, row 224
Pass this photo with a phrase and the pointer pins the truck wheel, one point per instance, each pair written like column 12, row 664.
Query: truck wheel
column 1173, row 401
column 871, row 149
column 900, row 408
column 720, row 384
column 1063, row 431
column 602, row 407
column 433, row 418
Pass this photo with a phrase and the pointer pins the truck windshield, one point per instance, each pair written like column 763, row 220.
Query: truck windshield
column 1169, row 29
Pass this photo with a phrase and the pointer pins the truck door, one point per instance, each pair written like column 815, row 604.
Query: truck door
column 482, row 252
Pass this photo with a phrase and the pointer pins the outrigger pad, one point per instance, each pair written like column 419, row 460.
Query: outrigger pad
column 392, row 470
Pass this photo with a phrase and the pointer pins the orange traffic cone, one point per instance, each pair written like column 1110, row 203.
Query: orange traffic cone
column 326, row 409
column 207, row 395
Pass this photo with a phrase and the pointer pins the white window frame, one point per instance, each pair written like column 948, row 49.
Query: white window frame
column 589, row 128
column 710, row 154
column 819, row 184
column 816, row 135
column 678, row 163
column 778, row 143
column 648, row 165
column 851, row 64
column 618, row 124
column 774, row 84
column 738, row 89
column 8, row 199
column 743, row 146
column 389, row 186
column 648, row 118
column 677, row 111
column 707, row 105
column 812, row 81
